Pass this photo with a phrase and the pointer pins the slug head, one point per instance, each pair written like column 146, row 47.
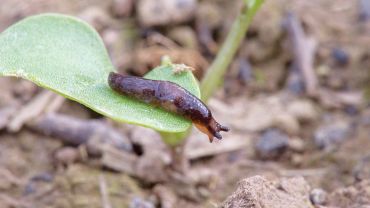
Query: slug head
column 212, row 129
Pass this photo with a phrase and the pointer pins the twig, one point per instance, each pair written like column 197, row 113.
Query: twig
column 157, row 38
column 9, row 176
column 104, row 192
column 209, row 150
column 216, row 71
column 332, row 99
column 180, row 162
column 30, row 111
column 152, row 167
column 55, row 104
column 166, row 196
column 119, row 160
column 5, row 115
column 303, row 50
column 77, row 131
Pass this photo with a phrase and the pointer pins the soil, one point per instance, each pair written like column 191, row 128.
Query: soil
column 284, row 143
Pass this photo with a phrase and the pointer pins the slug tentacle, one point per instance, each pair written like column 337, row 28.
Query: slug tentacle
column 171, row 97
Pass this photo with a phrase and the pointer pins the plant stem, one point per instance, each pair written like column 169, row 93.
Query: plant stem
column 174, row 139
column 237, row 32
column 213, row 77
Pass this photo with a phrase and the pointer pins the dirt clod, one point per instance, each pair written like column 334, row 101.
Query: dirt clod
column 258, row 192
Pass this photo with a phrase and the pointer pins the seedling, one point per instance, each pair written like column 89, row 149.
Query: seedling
column 67, row 56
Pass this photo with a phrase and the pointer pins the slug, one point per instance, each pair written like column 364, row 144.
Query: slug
column 171, row 97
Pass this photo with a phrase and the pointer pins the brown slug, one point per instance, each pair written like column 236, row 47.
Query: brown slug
column 171, row 97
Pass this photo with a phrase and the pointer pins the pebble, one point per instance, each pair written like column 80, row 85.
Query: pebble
column 331, row 135
column 340, row 56
column 138, row 202
column 351, row 110
column 318, row 196
column 287, row 122
column 295, row 83
column 164, row 12
column 297, row 145
column 185, row 36
column 67, row 155
column 96, row 17
column 303, row 110
column 209, row 13
column 271, row 144
column 296, row 159
column 122, row 8
column 364, row 7
column 258, row 117
column 245, row 72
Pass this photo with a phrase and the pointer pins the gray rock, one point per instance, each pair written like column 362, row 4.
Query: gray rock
column 318, row 196
column 340, row 56
column 331, row 135
column 271, row 144
column 257, row 192
column 138, row 202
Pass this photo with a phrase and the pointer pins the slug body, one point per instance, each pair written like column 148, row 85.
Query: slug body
column 171, row 97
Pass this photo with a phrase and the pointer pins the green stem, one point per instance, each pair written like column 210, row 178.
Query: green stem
column 174, row 139
column 219, row 66
column 216, row 71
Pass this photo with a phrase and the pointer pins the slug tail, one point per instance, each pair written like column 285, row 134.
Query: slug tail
column 113, row 79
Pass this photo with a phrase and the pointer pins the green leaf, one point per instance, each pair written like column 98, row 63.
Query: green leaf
column 67, row 56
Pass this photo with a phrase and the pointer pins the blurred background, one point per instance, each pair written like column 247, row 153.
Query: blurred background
column 295, row 97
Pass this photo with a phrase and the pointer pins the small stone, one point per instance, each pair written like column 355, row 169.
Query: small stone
column 96, row 17
column 340, row 56
column 209, row 13
column 364, row 7
column 67, row 155
column 296, row 144
column 164, row 12
column 331, row 135
column 271, row 144
column 138, row 202
column 303, row 110
column 287, row 122
column 296, row 159
column 295, row 82
column 245, row 72
column 185, row 36
column 122, row 8
column 351, row 110
column 318, row 196
column 258, row 117
column 110, row 37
